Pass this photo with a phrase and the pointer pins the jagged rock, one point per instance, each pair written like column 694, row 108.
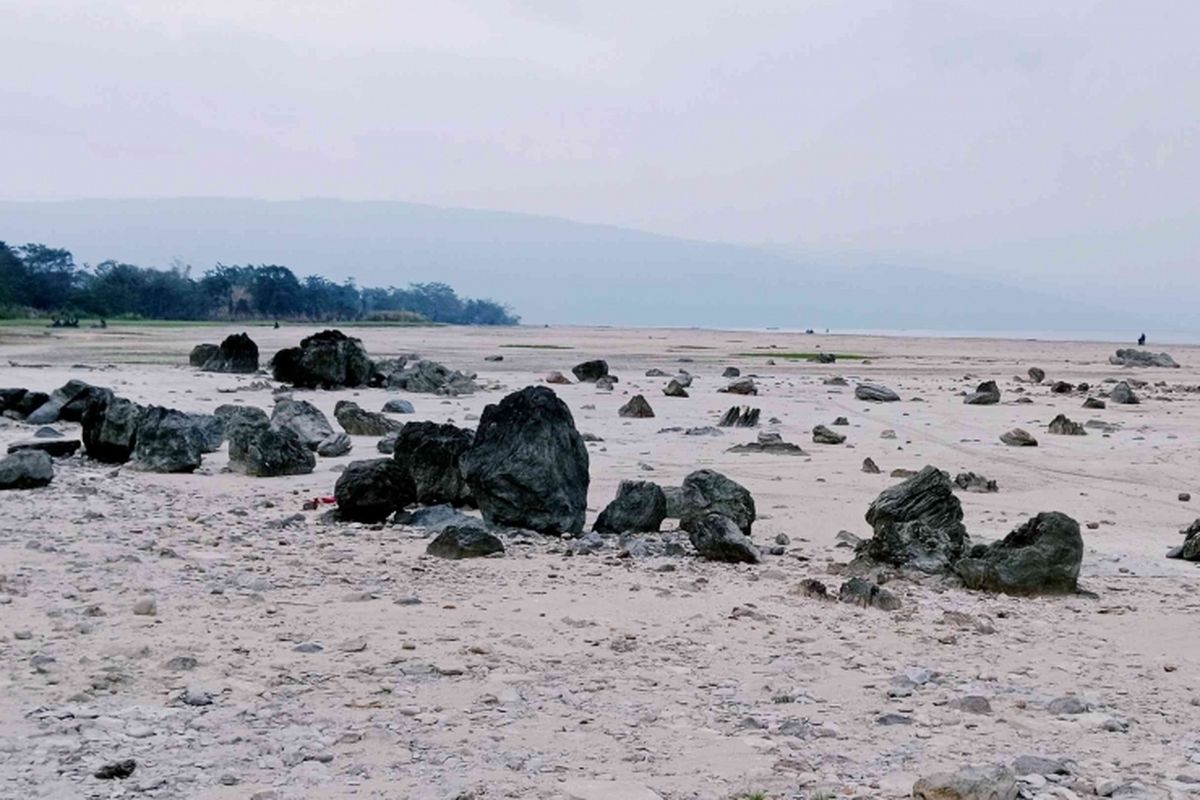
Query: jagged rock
column 110, row 427
column 1040, row 557
column 769, row 443
column 1190, row 549
column 674, row 496
column 398, row 407
column 859, row 592
column 51, row 410
column 304, row 419
column 590, row 371
column 717, row 538
column 1120, row 394
column 167, row 441
column 636, row 408
column 26, row 469
column 326, row 360
column 874, row 393
column 359, row 422
column 606, row 382
column 268, row 451
column 1063, row 426
column 639, row 506
column 743, row 417
column 238, row 354
column 234, row 417
column 558, row 378
column 986, row 394
column 971, row 482
column 430, row 455
column 741, row 386
column 337, row 444
column 1094, row 403
column 1142, row 358
column 211, row 429
column 387, row 444
column 201, row 353
column 1018, row 437
column 464, row 541
column 372, row 490
column 1037, row 374
column 684, row 379
column 870, row 467
column 707, row 491
column 994, row 782
column 1062, row 387
column 655, row 372
column 823, row 435
column 55, row 448
column 731, row 372
column 528, row 467
column 841, row 421
column 917, row 524
column 430, row 377
column 674, row 389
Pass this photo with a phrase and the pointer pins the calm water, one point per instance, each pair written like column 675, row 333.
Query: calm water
column 1124, row 339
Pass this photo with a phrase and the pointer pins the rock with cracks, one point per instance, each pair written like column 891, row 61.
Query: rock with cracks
column 302, row 418
column 590, row 371
column 717, row 538
column 357, row 421
column 917, row 524
column 326, row 360
column 528, row 467
column 875, row 393
column 1040, row 557
column 430, row 455
column 707, row 492
column 372, row 490
column 26, row 469
column 237, row 354
column 464, row 541
column 265, row 452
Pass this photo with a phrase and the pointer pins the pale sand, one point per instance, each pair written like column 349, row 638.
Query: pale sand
column 537, row 675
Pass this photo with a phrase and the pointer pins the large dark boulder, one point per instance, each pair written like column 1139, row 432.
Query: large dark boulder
column 917, row 524
column 590, row 371
column 464, row 541
column 357, row 421
column 26, row 469
column 110, row 426
column 326, row 360
column 986, row 394
column 51, row 410
column 303, row 419
column 1040, row 557
column 707, row 491
column 430, row 455
column 211, row 429
column 234, row 417
column 639, row 506
column 167, row 441
column 238, row 353
column 528, row 467
column 265, row 451
column 370, row 491
column 717, row 538
column 55, row 448
column 1190, row 549
column 875, row 393
column 19, row 403
column 430, row 377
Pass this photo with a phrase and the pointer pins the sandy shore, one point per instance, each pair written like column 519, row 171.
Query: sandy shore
column 544, row 674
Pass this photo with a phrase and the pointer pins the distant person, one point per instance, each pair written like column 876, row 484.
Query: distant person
column 1142, row 340
column 276, row 324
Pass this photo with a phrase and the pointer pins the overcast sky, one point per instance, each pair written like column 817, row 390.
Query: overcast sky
column 1041, row 140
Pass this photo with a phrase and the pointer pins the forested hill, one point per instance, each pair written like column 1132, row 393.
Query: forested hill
column 37, row 279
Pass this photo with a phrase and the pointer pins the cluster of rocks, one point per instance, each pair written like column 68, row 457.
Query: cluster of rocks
column 739, row 417
column 1190, row 549
column 326, row 360
column 771, row 443
column 236, row 354
column 423, row 376
column 1141, row 358
column 918, row 526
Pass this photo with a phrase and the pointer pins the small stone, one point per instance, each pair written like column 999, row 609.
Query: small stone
column 146, row 607
column 117, row 770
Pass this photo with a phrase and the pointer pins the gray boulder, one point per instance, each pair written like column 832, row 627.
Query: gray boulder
column 528, row 467
column 26, row 469
column 326, row 360
column 430, row 456
column 1037, row 374
column 1190, row 549
column 430, row 377
column 986, row 394
column 167, row 441
column 717, row 538
column 211, row 430
column 995, row 782
column 237, row 354
column 359, row 422
column 433, row 518
column 55, row 448
column 674, row 389
column 336, row 445
column 917, row 524
column 1094, row 403
column 636, row 408
column 397, row 406
column 824, row 435
column 464, row 541
column 707, row 491
column 674, row 497
column 739, row 417
column 201, row 354
column 972, row 482
column 875, row 393
column 110, row 426
column 51, row 410
column 590, row 371
column 370, row 491
column 267, row 452
column 1141, row 358
column 1018, row 437
column 235, row 416
column 731, row 372
column 639, row 506
column 771, row 443
column 1040, row 557
column 1063, row 426
column 741, row 386
column 1121, row 394
column 304, row 419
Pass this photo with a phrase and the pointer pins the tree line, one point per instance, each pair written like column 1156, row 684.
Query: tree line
column 37, row 279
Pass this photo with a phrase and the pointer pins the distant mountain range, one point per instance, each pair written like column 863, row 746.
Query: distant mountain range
column 549, row 270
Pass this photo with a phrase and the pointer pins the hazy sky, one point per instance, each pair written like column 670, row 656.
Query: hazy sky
column 1040, row 140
